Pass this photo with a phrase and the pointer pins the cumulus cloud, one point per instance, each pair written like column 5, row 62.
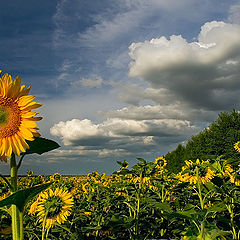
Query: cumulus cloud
column 96, row 81
column 121, row 137
column 172, row 111
column 202, row 74
column 75, row 130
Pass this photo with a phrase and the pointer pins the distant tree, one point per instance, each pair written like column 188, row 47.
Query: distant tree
column 218, row 139
column 174, row 158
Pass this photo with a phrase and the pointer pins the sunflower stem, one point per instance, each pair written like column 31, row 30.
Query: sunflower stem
column 43, row 225
column 202, row 229
column 17, row 215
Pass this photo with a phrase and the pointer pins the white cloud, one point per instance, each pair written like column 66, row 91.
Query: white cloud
column 96, row 81
column 76, row 129
column 171, row 111
column 149, row 140
column 190, row 71
column 184, row 83
column 85, row 133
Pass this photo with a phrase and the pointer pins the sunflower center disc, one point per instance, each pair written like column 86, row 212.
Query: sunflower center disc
column 10, row 117
column 4, row 115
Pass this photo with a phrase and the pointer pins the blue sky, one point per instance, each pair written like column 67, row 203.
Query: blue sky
column 121, row 79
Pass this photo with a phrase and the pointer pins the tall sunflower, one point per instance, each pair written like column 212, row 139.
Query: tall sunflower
column 17, row 121
column 52, row 206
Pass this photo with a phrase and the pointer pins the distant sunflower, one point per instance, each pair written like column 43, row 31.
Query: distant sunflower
column 52, row 206
column 235, row 176
column 56, row 177
column 124, row 165
column 17, row 121
column 189, row 173
column 236, row 146
column 160, row 162
column 228, row 170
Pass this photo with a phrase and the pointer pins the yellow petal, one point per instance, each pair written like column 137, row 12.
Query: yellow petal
column 26, row 133
column 25, row 100
column 28, row 124
column 31, row 106
column 29, row 114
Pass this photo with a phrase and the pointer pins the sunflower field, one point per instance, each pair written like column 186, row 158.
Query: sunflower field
column 145, row 202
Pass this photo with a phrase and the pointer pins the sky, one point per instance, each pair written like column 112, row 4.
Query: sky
column 121, row 79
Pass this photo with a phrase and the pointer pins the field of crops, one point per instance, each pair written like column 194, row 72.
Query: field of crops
column 144, row 202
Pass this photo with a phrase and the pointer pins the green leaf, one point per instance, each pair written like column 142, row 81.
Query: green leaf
column 141, row 160
column 41, row 145
column 218, row 207
column 184, row 215
column 21, row 197
column 189, row 207
column 164, row 206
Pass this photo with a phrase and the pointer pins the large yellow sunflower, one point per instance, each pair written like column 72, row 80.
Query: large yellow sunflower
column 52, row 206
column 17, row 121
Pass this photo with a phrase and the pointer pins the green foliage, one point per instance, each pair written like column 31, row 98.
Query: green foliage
column 21, row 197
column 41, row 145
column 216, row 140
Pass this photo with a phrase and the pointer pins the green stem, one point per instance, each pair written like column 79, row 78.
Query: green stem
column 17, row 215
column 43, row 225
column 202, row 232
column 199, row 190
column 202, row 237
column 138, row 202
column 229, row 208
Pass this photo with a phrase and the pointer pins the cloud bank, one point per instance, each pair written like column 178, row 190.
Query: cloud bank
column 186, row 85
column 204, row 74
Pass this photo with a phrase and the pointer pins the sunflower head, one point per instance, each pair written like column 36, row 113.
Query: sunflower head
column 54, row 206
column 237, row 146
column 160, row 162
column 29, row 173
column 56, row 177
column 17, row 121
column 124, row 165
column 193, row 172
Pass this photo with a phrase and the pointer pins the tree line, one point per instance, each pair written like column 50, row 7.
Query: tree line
column 216, row 140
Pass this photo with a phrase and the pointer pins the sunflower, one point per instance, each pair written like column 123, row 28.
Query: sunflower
column 29, row 173
column 236, row 146
column 56, row 177
column 124, row 165
column 17, row 121
column 228, row 170
column 235, row 176
column 52, row 206
column 160, row 162
column 189, row 173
